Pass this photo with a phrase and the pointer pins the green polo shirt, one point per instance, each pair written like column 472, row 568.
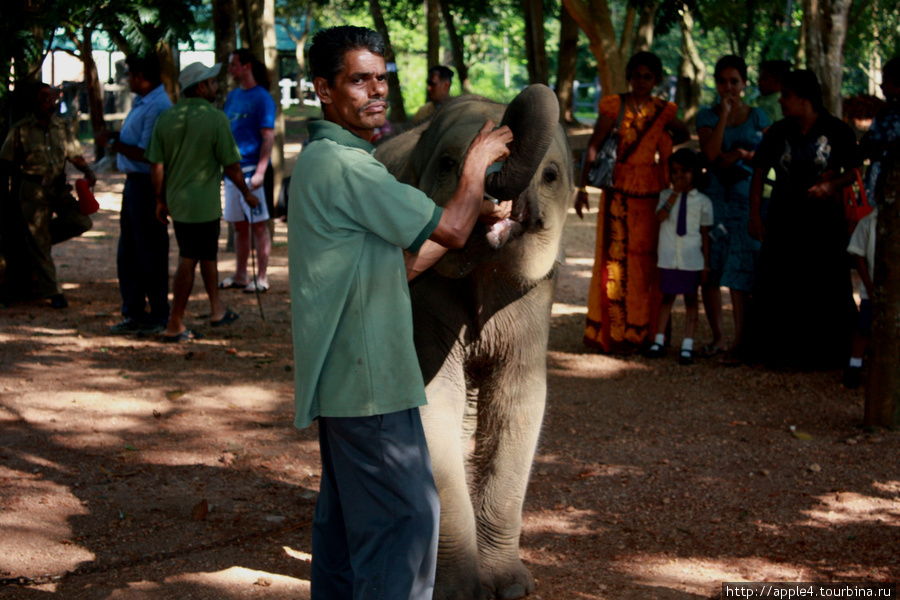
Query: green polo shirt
column 193, row 140
column 351, row 315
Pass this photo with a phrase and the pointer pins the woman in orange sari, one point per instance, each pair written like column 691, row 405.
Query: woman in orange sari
column 624, row 294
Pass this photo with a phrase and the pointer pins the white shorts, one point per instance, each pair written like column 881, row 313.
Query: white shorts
column 237, row 209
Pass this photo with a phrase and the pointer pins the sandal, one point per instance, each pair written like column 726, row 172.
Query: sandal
column 230, row 317
column 731, row 359
column 184, row 336
column 254, row 286
column 230, row 284
column 710, row 350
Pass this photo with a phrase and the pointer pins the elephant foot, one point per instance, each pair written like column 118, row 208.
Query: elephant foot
column 508, row 583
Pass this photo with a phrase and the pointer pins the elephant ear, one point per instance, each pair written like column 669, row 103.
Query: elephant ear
column 533, row 117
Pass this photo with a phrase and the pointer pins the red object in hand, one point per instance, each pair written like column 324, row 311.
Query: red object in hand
column 87, row 204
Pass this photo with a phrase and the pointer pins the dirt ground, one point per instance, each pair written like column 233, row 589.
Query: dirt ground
column 134, row 470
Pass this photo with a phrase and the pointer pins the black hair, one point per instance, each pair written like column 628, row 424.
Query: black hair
column 260, row 74
column 891, row 71
column 147, row 65
column 192, row 91
column 645, row 59
column 326, row 55
column 778, row 69
column 731, row 61
column 805, row 84
column 443, row 73
column 690, row 160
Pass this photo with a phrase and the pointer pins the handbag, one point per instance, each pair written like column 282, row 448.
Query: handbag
column 601, row 173
column 856, row 205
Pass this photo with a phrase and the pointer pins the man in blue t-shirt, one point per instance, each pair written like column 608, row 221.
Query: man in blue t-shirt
column 251, row 110
column 142, row 261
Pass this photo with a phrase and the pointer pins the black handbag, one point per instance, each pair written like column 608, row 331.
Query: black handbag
column 601, row 173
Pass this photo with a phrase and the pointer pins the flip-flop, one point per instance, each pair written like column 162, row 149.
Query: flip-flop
column 184, row 336
column 253, row 287
column 230, row 284
column 710, row 350
column 230, row 317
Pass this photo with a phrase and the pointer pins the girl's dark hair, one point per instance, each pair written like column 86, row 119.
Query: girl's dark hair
column 731, row 61
column 645, row 59
column 690, row 160
column 805, row 84
column 260, row 74
column 326, row 55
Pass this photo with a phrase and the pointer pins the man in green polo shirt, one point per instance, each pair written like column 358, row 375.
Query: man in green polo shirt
column 356, row 372
column 191, row 144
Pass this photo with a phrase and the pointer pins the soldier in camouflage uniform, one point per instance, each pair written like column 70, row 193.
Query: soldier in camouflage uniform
column 35, row 153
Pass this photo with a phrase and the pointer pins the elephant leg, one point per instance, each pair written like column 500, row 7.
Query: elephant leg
column 510, row 412
column 457, row 566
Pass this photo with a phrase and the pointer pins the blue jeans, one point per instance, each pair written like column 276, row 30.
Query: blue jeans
column 143, row 258
column 375, row 529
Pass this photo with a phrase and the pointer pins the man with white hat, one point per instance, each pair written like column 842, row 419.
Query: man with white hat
column 191, row 144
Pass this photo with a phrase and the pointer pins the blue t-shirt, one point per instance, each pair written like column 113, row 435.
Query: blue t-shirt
column 249, row 111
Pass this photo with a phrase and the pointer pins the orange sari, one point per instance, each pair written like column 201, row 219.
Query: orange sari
column 624, row 295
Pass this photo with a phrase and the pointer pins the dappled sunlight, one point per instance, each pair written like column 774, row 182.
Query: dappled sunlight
column 560, row 309
column 601, row 366
column 845, row 508
column 704, row 576
column 240, row 579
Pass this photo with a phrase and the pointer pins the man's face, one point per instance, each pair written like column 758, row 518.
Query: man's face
column 47, row 102
column 768, row 85
column 792, row 105
column 358, row 99
column 236, row 69
column 436, row 89
column 134, row 81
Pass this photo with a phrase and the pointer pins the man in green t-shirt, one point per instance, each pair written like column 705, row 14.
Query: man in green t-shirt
column 376, row 521
column 191, row 144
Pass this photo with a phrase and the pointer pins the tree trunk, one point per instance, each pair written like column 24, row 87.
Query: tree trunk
column 456, row 46
column 534, row 43
column 224, row 13
column 627, row 40
column 91, row 83
column 691, row 71
column 644, row 39
column 826, row 32
column 595, row 19
column 395, row 96
column 883, row 386
column 566, row 65
column 433, row 27
column 168, row 70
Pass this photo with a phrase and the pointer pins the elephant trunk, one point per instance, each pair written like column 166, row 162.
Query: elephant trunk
column 533, row 117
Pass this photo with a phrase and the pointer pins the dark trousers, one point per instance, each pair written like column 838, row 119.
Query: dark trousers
column 375, row 529
column 143, row 259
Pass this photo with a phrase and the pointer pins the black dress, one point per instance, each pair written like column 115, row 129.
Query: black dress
column 802, row 311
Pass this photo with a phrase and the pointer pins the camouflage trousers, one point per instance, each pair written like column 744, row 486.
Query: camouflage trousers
column 39, row 216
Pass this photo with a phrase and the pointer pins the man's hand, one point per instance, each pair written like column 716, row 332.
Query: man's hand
column 825, row 189
column 257, row 180
column 162, row 211
column 493, row 213
column 252, row 201
column 581, row 203
column 490, row 145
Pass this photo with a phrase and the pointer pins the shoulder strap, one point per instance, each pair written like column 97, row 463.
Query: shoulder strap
column 637, row 141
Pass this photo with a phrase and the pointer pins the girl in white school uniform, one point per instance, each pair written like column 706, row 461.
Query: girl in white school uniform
column 685, row 216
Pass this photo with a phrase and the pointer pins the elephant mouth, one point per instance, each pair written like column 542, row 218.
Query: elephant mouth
column 517, row 224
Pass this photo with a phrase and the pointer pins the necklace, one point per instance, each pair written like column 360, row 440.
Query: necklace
column 638, row 107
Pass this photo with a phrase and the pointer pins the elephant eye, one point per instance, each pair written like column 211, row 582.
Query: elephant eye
column 550, row 174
